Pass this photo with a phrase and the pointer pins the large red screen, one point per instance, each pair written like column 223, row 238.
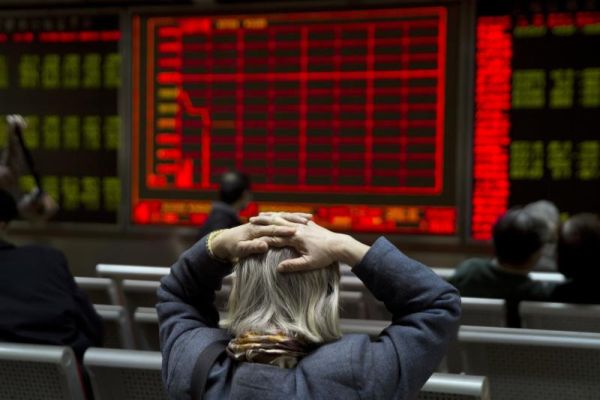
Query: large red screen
column 339, row 113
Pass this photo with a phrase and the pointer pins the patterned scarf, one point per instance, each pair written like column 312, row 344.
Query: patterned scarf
column 267, row 348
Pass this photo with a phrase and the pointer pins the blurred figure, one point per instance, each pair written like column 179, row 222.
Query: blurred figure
column 7, row 178
column 15, row 159
column 547, row 212
column 12, row 163
column 234, row 196
column 39, row 299
column 518, row 238
column 579, row 260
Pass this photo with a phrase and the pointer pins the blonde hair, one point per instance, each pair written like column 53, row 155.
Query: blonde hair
column 300, row 304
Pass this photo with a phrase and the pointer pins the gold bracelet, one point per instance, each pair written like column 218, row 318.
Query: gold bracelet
column 209, row 243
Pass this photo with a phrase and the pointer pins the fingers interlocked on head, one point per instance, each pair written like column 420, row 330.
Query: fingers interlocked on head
column 272, row 230
column 281, row 218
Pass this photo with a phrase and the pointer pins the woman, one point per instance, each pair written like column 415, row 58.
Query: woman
column 286, row 355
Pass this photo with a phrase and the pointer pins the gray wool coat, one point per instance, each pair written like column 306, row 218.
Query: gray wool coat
column 425, row 312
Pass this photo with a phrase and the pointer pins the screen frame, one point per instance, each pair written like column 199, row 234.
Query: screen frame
column 460, row 12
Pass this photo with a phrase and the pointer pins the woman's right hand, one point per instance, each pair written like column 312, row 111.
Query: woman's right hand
column 318, row 247
column 241, row 241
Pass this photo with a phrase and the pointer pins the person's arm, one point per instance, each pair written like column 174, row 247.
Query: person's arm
column 425, row 311
column 187, row 316
column 425, row 308
column 186, row 296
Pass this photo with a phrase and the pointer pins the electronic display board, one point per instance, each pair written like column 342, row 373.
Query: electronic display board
column 537, row 111
column 62, row 73
column 338, row 113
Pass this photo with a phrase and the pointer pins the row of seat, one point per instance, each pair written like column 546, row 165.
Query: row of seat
column 475, row 311
column 50, row 372
column 533, row 314
column 558, row 349
column 135, row 286
column 144, row 272
column 503, row 354
column 518, row 364
column 117, row 288
column 533, row 364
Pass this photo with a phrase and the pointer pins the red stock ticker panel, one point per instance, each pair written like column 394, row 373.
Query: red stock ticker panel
column 537, row 94
column 492, row 123
column 337, row 113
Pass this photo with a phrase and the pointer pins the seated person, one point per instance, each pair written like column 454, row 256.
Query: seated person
column 282, row 338
column 518, row 238
column 40, row 301
column 546, row 211
column 579, row 260
column 234, row 196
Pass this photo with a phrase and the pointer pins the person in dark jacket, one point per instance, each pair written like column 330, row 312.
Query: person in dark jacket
column 39, row 299
column 579, row 260
column 234, row 196
column 518, row 238
column 296, row 351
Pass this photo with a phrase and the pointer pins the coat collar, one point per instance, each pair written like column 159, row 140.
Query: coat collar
column 225, row 208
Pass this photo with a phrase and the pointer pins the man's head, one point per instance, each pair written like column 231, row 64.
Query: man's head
column 235, row 189
column 8, row 209
column 300, row 304
column 579, row 247
column 518, row 238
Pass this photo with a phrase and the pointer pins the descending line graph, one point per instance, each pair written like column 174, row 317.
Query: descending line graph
column 220, row 69
column 205, row 123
